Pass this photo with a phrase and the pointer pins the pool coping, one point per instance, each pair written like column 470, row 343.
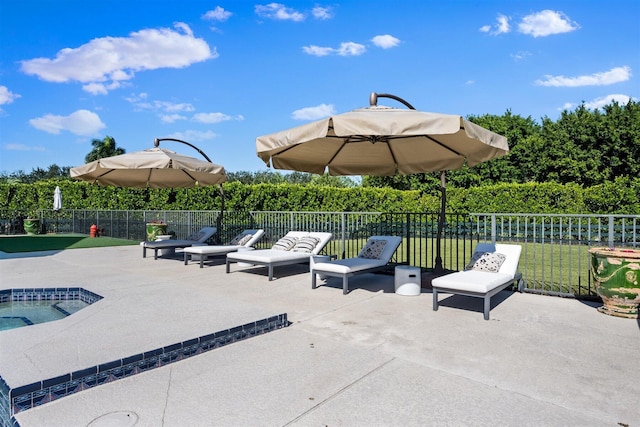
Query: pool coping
column 21, row 398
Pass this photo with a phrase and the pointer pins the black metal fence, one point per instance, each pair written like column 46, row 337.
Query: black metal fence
column 554, row 260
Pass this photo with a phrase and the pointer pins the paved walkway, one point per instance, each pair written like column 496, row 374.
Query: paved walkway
column 370, row 358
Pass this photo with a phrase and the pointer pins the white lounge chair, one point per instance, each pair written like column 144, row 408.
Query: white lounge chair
column 198, row 238
column 246, row 239
column 476, row 281
column 295, row 254
column 366, row 262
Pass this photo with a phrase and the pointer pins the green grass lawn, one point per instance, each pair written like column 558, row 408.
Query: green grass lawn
column 48, row 242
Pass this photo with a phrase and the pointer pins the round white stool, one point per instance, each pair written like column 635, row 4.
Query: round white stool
column 167, row 251
column 407, row 280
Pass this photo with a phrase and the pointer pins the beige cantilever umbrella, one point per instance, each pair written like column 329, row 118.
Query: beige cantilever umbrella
column 383, row 141
column 154, row 168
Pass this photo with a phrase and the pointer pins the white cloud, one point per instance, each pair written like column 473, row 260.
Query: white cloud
column 193, row 135
column 81, row 122
column 520, row 55
column 599, row 102
column 345, row 49
column 211, row 118
column 172, row 106
column 23, row 147
column 546, row 23
column 470, row 82
column 501, row 27
column 6, row 96
column 606, row 100
column 614, row 75
column 105, row 63
column 385, row 41
column 217, row 14
column 351, row 49
column 170, row 118
column 317, row 50
column 313, row 113
column 320, row 12
column 278, row 12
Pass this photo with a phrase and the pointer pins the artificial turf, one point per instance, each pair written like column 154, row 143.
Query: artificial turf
column 48, row 242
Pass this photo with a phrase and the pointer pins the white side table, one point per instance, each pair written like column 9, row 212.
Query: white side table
column 408, row 280
column 167, row 251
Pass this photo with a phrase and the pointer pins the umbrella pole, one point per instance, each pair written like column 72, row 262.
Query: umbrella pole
column 441, row 219
column 221, row 216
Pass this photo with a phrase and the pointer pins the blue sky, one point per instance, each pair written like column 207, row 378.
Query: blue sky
column 220, row 74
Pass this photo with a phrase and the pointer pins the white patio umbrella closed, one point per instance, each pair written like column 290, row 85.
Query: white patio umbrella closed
column 57, row 199
column 383, row 141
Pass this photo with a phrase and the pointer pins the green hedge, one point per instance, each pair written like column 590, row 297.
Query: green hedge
column 621, row 197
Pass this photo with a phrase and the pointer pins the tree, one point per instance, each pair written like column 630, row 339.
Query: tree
column 103, row 148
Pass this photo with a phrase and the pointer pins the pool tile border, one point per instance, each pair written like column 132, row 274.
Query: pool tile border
column 28, row 396
column 49, row 294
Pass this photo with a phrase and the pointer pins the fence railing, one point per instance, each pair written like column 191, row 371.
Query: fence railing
column 554, row 260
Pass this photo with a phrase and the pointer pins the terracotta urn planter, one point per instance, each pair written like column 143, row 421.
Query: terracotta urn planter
column 154, row 230
column 617, row 277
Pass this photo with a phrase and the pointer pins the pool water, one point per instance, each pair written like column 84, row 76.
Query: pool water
column 16, row 314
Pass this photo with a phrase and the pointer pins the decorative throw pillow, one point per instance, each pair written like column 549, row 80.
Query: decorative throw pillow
column 196, row 236
column 373, row 249
column 486, row 261
column 285, row 244
column 306, row 244
column 241, row 239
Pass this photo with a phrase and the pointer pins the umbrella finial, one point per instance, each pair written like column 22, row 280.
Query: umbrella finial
column 156, row 142
column 373, row 99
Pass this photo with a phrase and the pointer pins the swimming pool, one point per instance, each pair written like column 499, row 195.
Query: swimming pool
column 30, row 306
column 24, row 313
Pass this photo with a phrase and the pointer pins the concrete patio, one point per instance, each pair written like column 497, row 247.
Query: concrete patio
column 370, row 358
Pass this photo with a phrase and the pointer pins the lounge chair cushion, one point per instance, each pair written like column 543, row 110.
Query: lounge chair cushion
column 197, row 236
column 305, row 244
column 486, row 261
column 284, row 244
column 241, row 239
column 472, row 281
column 373, row 249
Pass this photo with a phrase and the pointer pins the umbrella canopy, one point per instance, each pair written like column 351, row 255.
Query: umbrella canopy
column 57, row 199
column 381, row 141
column 154, row 168
column 384, row 141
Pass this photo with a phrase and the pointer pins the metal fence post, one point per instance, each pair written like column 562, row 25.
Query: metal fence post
column 493, row 228
column 611, row 231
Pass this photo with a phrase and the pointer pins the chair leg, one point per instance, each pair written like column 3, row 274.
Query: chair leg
column 435, row 299
column 186, row 258
column 313, row 279
column 228, row 262
column 345, row 285
column 487, row 307
column 144, row 251
column 270, row 272
column 202, row 256
column 155, row 253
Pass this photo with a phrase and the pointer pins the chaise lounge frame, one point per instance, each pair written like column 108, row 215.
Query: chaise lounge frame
column 177, row 244
column 204, row 252
column 271, row 258
column 346, row 268
column 481, row 284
